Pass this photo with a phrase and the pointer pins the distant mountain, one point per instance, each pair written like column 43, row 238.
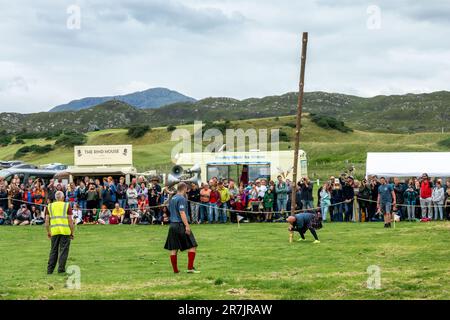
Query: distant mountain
column 399, row 113
column 151, row 98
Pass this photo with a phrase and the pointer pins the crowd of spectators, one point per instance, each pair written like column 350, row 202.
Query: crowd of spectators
column 107, row 201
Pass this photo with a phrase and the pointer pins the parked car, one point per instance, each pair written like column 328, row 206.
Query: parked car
column 9, row 164
column 55, row 166
column 25, row 174
column 25, row 166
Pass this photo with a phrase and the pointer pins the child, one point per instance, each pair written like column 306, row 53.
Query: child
column 268, row 204
column 77, row 214
column 409, row 197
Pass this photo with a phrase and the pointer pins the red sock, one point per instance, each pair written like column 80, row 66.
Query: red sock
column 191, row 258
column 173, row 260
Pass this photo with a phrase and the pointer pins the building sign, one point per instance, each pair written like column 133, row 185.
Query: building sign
column 103, row 155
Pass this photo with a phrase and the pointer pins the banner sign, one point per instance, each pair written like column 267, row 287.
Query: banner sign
column 103, row 155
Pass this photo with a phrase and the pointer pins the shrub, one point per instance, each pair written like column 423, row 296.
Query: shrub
column 221, row 126
column 138, row 131
column 291, row 125
column 47, row 135
column 71, row 139
column 5, row 139
column 284, row 136
column 171, row 128
column 33, row 148
column 327, row 122
column 444, row 143
column 19, row 141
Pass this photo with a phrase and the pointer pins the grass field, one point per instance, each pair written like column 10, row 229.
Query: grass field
column 329, row 152
column 253, row 262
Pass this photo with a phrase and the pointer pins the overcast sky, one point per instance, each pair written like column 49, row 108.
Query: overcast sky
column 235, row 48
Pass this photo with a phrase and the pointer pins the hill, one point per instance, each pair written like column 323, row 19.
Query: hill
column 397, row 114
column 329, row 151
column 151, row 98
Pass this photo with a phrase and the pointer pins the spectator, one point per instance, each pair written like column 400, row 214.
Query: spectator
column 153, row 203
column 426, row 190
column 224, row 198
column 104, row 215
column 363, row 198
column 10, row 214
column 81, row 196
column 447, row 203
column 409, row 199
column 204, row 202
column 337, row 198
column 438, row 197
column 37, row 216
column 118, row 212
column 122, row 192
column 281, row 191
column 23, row 216
column 374, row 186
column 142, row 211
column 143, row 190
column 214, row 200
column 399, row 189
column 194, row 199
column 92, row 198
column 307, row 194
column 132, row 196
column 268, row 205
column 348, row 194
column 77, row 214
column 3, row 216
column 3, row 196
column 325, row 200
column 71, row 194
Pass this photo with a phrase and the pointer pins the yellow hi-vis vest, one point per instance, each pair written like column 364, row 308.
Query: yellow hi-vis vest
column 59, row 222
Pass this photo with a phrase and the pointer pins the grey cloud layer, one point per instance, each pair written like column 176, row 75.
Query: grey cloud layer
column 217, row 48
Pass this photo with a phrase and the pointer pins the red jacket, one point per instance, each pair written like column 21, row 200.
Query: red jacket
column 425, row 189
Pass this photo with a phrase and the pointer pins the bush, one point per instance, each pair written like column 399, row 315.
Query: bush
column 292, row 125
column 19, row 141
column 444, row 143
column 171, row 128
column 284, row 136
column 327, row 122
column 47, row 135
column 71, row 139
column 33, row 148
column 5, row 139
column 137, row 131
column 221, row 126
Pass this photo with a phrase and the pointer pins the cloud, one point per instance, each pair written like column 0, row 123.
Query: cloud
column 237, row 48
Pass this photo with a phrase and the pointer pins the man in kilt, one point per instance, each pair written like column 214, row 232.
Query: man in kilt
column 301, row 222
column 180, row 236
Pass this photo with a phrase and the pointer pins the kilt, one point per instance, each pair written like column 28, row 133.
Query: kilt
column 177, row 239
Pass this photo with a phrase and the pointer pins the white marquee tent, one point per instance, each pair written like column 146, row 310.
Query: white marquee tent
column 408, row 164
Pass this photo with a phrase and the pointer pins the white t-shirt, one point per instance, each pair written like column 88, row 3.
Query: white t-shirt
column 261, row 191
column 77, row 215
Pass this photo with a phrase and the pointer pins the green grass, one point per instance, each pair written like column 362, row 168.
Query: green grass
column 329, row 152
column 253, row 262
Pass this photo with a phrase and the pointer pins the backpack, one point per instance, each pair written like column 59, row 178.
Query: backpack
column 113, row 220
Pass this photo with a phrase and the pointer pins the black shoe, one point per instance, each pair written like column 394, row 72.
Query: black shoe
column 385, row 225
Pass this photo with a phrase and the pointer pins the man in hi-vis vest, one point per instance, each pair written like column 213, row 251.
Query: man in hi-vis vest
column 59, row 225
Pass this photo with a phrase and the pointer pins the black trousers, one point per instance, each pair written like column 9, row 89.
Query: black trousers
column 59, row 247
column 303, row 230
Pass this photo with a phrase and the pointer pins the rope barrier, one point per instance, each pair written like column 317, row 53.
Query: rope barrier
column 228, row 209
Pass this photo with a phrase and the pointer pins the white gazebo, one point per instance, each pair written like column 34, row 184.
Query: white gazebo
column 408, row 164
